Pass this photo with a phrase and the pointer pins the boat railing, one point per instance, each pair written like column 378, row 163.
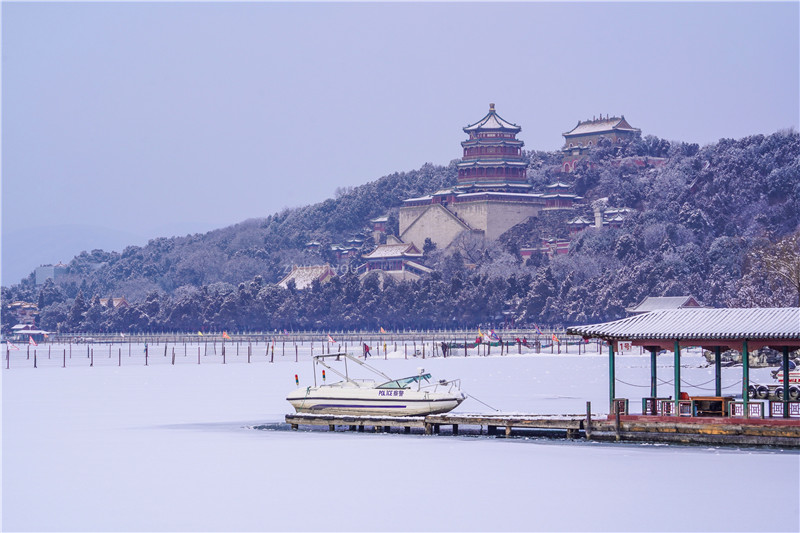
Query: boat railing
column 445, row 384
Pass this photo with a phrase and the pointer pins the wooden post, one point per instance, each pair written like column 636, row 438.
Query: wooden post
column 718, row 370
column 34, row 360
column 91, row 357
column 173, row 355
column 588, row 428
column 64, row 362
column 223, row 353
column 119, row 357
column 198, row 353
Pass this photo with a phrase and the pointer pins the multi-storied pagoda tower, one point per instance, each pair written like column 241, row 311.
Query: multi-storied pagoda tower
column 492, row 194
column 492, row 155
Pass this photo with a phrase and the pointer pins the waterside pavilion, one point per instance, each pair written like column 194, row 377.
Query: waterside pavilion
column 717, row 330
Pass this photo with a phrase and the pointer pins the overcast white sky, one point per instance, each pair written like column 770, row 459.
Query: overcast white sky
column 124, row 122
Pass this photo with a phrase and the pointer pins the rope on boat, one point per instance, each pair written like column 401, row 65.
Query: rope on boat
column 484, row 403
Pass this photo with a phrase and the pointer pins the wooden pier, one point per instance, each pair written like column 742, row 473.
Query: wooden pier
column 634, row 428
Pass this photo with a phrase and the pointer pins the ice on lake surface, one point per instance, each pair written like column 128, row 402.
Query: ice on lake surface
column 173, row 448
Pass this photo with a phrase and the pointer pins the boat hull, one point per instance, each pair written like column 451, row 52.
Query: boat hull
column 372, row 402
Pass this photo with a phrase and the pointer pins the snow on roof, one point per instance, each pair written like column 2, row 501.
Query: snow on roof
column 491, row 163
column 393, row 250
column 501, row 194
column 492, row 121
column 654, row 303
column 561, row 195
column 700, row 323
column 559, row 185
column 601, row 125
column 419, row 198
column 421, row 268
column 304, row 276
column 376, row 220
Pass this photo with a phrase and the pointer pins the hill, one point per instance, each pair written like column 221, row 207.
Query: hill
column 704, row 223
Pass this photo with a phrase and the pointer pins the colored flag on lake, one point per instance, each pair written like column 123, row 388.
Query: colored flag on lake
column 31, row 341
column 555, row 339
column 225, row 335
column 330, row 339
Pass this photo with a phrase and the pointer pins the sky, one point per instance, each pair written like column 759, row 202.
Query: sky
column 123, row 122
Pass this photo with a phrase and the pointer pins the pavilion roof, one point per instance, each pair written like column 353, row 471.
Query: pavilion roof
column 654, row 303
column 700, row 323
column 492, row 121
column 607, row 124
column 304, row 276
column 386, row 251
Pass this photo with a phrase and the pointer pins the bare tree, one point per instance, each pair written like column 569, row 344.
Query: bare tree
column 782, row 260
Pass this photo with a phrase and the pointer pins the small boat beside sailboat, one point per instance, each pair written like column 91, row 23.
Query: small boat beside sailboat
column 415, row 395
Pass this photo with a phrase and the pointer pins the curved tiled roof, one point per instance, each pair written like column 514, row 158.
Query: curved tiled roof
column 601, row 125
column 689, row 324
column 492, row 121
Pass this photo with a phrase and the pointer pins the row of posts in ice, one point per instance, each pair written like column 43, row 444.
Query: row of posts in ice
column 264, row 348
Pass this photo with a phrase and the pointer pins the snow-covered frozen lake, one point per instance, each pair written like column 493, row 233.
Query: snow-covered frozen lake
column 174, row 448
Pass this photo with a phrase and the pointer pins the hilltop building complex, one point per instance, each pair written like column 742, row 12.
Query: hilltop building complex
column 580, row 139
column 491, row 196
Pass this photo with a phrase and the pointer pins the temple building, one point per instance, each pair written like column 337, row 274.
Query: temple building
column 580, row 139
column 400, row 261
column 557, row 197
column 492, row 194
column 304, row 276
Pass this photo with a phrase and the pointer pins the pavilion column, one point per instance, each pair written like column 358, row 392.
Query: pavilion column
column 745, row 378
column 718, row 370
column 653, row 373
column 677, row 354
column 785, row 382
column 611, row 376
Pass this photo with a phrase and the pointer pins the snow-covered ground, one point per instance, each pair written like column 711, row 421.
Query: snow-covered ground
column 175, row 447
